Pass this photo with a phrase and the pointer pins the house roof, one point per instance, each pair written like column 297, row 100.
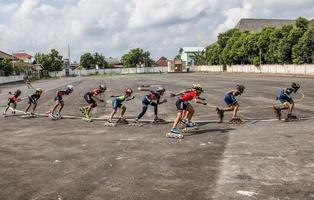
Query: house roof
column 22, row 55
column 255, row 25
column 4, row 55
column 192, row 49
column 162, row 62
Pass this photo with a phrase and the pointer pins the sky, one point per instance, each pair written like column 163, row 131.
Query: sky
column 113, row 27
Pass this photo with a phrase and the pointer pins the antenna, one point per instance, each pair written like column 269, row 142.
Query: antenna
column 69, row 53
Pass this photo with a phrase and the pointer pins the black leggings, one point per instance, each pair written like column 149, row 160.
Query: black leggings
column 144, row 109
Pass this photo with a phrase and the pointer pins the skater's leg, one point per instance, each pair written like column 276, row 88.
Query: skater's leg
column 54, row 107
column 190, row 112
column 61, row 106
column 27, row 107
column 7, row 108
column 123, row 111
column 14, row 107
column 177, row 119
column 34, row 107
column 144, row 109
column 235, row 110
column 112, row 115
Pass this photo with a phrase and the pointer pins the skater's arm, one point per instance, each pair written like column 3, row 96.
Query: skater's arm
column 130, row 98
column 200, row 100
column 161, row 102
column 98, row 98
column 180, row 93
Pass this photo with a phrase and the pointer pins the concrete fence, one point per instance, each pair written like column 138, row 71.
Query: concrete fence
column 10, row 79
column 85, row 72
column 264, row 69
column 307, row 70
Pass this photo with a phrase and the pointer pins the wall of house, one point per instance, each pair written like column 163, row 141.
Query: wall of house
column 10, row 79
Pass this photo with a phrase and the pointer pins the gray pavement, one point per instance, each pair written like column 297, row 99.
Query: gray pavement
column 72, row 159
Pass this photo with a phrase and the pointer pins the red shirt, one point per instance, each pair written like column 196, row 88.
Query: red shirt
column 188, row 96
column 95, row 92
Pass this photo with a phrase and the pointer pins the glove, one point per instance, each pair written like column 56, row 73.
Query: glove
column 165, row 100
column 111, row 96
column 101, row 100
column 172, row 95
column 204, row 103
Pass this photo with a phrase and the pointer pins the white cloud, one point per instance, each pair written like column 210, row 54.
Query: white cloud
column 113, row 27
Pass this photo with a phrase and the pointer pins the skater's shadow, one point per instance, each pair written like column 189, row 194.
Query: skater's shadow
column 221, row 130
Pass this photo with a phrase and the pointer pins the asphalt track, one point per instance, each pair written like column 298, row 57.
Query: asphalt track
column 73, row 159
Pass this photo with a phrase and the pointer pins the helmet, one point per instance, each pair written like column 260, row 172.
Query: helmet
column 39, row 90
column 241, row 88
column 70, row 88
column 197, row 87
column 295, row 87
column 128, row 91
column 160, row 89
column 17, row 92
column 102, row 87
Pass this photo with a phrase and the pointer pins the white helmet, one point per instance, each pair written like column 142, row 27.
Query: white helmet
column 102, row 87
column 160, row 89
column 70, row 88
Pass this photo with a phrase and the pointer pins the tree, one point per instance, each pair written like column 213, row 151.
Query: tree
column 87, row 61
column 99, row 60
column 302, row 52
column 199, row 58
column 302, row 23
column 6, row 67
column 50, row 62
column 212, row 54
column 136, row 57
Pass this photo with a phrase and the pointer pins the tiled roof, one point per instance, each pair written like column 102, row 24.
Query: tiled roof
column 255, row 25
column 22, row 55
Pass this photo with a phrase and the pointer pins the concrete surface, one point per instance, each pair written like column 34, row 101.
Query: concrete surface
column 72, row 159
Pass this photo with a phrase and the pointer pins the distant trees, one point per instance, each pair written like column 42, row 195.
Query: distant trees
column 137, row 57
column 52, row 61
column 89, row 61
column 6, row 67
column 286, row 45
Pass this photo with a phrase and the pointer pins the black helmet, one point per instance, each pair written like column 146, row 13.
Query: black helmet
column 241, row 88
column 295, row 87
column 17, row 92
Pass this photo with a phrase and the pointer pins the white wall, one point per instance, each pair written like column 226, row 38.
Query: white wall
column 271, row 69
column 10, row 79
column 84, row 72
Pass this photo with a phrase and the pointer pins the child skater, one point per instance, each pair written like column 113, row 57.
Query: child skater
column 13, row 100
column 152, row 99
column 117, row 103
column 59, row 101
column 32, row 100
column 232, row 103
column 90, row 97
column 182, row 105
column 286, row 101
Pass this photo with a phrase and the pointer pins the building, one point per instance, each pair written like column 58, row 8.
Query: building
column 256, row 25
column 177, row 65
column 187, row 54
column 113, row 62
column 26, row 58
column 4, row 55
column 162, row 62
